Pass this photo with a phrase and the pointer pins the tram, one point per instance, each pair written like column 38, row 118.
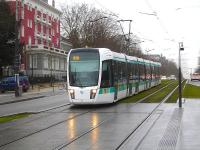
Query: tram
column 99, row 75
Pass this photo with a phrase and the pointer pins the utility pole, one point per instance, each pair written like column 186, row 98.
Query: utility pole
column 51, row 69
column 93, row 35
column 32, row 70
column 16, row 62
column 129, row 35
column 181, row 48
column 17, row 55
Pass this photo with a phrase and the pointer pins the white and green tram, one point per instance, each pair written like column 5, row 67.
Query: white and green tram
column 99, row 75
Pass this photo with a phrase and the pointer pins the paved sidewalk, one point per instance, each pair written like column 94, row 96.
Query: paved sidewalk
column 175, row 128
column 31, row 94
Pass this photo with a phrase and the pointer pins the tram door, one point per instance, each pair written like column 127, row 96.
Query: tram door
column 115, row 77
column 130, row 78
column 137, row 77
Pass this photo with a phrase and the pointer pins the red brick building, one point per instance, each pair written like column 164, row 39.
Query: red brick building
column 39, row 31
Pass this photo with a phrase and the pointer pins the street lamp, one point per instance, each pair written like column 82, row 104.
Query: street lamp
column 92, row 21
column 181, row 48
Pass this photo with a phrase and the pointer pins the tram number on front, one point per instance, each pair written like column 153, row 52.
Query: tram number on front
column 76, row 58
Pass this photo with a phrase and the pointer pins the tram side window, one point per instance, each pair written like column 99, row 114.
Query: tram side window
column 106, row 79
column 136, row 72
column 148, row 72
column 145, row 72
column 115, row 71
column 130, row 75
column 142, row 72
column 152, row 72
column 150, row 67
column 132, row 71
column 124, row 71
column 119, row 71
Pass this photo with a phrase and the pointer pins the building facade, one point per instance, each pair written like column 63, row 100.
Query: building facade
column 39, row 33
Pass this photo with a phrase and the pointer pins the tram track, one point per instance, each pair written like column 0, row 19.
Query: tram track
column 123, row 142
column 143, row 99
column 92, row 128
column 64, row 145
column 8, row 126
column 81, row 135
column 46, row 128
column 61, row 146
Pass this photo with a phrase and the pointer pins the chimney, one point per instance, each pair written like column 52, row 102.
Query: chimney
column 53, row 3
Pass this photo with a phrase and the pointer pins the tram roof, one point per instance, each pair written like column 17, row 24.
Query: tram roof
column 108, row 54
column 132, row 59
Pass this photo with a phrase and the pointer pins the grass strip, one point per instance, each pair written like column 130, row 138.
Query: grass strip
column 5, row 119
column 173, row 98
column 191, row 91
column 143, row 94
column 156, row 98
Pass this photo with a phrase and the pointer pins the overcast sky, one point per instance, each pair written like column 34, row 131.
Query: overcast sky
column 176, row 21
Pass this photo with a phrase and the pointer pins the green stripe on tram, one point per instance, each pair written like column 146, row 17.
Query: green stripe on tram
column 106, row 90
column 122, row 87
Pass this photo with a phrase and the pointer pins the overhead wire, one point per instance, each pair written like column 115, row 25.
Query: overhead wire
column 157, row 17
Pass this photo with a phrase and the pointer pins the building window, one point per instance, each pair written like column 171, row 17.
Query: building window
column 31, row 23
column 52, row 62
column 52, row 32
column 39, row 41
column 30, row 7
column 33, row 61
column 65, row 63
column 22, row 14
column 62, row 66
column 57, row 63
column 29, row 40
column 46, row 61
column 57, row 28
column 22, row 31
column 57, row 41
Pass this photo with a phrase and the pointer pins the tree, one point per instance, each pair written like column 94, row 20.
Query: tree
column 168, row 67
column 88, row 26
column 7, row 34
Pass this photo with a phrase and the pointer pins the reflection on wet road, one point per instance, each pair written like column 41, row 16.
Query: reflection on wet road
column 76, row 128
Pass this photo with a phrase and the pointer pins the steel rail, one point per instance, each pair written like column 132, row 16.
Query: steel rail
column 145, row 119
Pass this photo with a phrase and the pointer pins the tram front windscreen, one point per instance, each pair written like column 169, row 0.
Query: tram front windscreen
column 84, row 68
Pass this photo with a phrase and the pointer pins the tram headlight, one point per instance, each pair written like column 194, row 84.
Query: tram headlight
column 93, row 93
column 72, row 93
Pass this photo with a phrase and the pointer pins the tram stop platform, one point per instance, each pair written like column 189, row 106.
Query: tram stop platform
column 169, row 128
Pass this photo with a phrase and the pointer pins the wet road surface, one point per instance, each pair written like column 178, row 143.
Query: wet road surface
column 36, row 105
column 84, row 127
